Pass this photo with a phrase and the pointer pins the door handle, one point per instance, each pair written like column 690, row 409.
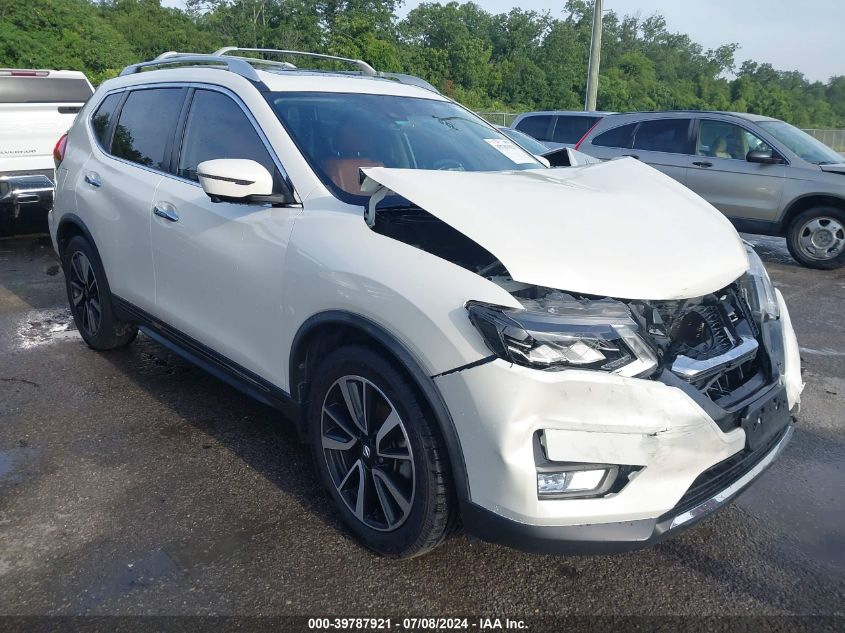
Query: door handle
column 631, row 156
column 93, row 179
column 166, row 211
column 702, row 163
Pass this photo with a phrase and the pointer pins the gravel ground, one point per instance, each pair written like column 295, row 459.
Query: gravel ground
column 133, row 483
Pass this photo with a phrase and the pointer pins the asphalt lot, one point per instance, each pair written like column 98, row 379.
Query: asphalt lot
column 133, row 483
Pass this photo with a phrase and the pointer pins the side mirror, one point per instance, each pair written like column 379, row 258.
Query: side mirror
column 764, row 157
column 241, row 181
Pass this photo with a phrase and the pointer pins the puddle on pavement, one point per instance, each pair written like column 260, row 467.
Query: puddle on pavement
column 43, row 327
column 122, row 577
column 772, row 250
column 7, row 464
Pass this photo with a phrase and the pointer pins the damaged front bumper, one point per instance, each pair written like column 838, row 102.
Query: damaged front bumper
column 681, row 464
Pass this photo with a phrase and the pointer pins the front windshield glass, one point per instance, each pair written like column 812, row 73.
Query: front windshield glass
column 340, row 133
column 810, row 149
column 528, row 142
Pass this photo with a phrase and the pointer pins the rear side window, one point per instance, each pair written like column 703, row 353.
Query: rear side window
column 102, row 118
column 617, row 137
column 44, row 90
column 146, row 124
column 536, row 126
column 218, row 128
column 570, row 129
column 665, row 135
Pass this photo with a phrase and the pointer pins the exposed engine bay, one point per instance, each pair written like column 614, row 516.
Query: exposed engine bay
column 711, row 343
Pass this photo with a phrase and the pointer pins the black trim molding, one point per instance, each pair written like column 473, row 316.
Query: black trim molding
column 206, row 358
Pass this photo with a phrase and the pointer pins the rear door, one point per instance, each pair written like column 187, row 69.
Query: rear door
column 115, row 188
column 220, row 266
column 719, row 172
column 665, row 144
column 36, row 108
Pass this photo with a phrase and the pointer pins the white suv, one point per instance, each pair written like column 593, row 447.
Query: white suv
column 463, row 335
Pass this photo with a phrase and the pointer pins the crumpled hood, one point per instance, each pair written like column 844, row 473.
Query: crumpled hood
column 838, row 168
column 618, row 229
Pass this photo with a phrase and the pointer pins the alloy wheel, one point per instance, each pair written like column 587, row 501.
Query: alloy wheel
column 369, row 457
column 822, row 238
column 85, row 293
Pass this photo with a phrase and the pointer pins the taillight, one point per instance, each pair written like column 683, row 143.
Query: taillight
column 586, row 134
column 59, row 149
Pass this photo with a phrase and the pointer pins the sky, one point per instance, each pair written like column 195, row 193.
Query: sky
column 804, row 35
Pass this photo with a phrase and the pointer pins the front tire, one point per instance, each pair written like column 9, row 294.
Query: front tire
column 816, row 238
column 90, row 299
column 380, row 457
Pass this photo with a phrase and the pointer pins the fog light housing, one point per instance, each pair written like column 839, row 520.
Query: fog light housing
column 583, row 482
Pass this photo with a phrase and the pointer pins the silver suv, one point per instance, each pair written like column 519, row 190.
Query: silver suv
column 766, row 175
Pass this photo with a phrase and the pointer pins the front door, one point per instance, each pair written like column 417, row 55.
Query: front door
column 720, row 174
column 219, row 267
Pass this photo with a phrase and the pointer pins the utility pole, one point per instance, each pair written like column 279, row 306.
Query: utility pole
column 595, row 58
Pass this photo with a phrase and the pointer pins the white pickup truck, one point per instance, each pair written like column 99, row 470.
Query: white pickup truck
column 36, row 108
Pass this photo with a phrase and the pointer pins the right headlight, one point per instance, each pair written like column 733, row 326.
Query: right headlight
column 757, row 289
column 598, row 335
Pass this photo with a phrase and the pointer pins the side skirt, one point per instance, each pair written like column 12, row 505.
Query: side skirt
column 206, row 358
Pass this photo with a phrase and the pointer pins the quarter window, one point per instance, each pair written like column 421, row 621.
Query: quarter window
column 103, row 117
column 218, row 128
column 570, row 129
column 536, row 126
column 147, row 122
column 719, row 139
column 664, row 135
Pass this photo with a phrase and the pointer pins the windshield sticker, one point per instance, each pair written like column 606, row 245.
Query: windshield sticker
column 510, row 150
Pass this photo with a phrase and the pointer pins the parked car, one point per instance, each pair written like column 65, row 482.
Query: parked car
column 427, row 301
column 766, row 175
column 558, row 128
column 556, row 156
column 36, row 107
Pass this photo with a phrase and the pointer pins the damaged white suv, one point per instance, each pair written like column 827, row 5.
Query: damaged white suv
column 582, row 359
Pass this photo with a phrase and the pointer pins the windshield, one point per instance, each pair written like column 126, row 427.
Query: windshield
column 340, row 133
column 528, row 142
column 810, row 149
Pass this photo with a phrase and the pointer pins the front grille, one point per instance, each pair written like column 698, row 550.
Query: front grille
column 718, row 477
column 710, row 342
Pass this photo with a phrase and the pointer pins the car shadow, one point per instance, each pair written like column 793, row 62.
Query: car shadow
column 258, row 435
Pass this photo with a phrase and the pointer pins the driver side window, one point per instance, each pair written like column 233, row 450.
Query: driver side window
column 719, row 139
column 218, row 128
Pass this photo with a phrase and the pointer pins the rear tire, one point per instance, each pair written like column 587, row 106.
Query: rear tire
column 90, row 299
column 382, row 460
column 816, row 238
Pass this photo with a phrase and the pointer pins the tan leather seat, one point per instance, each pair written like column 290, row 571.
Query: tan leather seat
column 354, row 150
column 344, row 172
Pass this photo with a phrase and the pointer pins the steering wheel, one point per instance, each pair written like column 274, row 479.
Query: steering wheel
column 448, row 164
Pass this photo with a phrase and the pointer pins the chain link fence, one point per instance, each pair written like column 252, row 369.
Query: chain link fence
column 832, row 138
column 498, row 118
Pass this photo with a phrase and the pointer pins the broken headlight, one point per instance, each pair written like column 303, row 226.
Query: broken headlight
column 757, row 289
column 561, row 332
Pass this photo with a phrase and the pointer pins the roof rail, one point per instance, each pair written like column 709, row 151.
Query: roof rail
column 235, row 64
column 411, row 80
column 243, row 66
column 363, row 66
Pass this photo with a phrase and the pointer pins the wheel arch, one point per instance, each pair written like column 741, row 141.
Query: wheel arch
column 69, row 227
column 328, row 330
column 808, row 201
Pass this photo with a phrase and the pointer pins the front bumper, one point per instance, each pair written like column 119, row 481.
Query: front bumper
column 499, row 410
column 609, row 538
